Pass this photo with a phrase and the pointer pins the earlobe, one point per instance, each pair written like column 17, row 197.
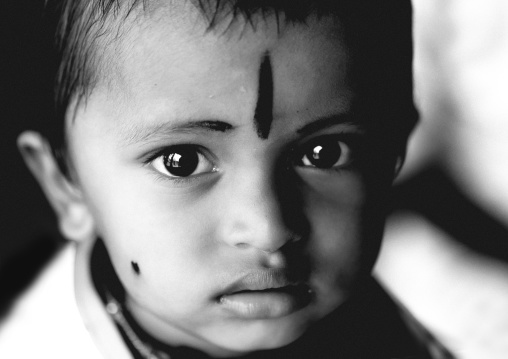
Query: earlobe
column 74, row 218
column 77, row 223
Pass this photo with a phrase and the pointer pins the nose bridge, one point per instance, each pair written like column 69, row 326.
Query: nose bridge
column 254, row 216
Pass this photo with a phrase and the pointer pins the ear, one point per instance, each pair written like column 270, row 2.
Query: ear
column 74, row 218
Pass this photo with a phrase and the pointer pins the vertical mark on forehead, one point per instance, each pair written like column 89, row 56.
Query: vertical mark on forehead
column 263, row 115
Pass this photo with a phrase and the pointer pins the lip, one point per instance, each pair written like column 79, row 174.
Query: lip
column 261, row 280
column 265, row 294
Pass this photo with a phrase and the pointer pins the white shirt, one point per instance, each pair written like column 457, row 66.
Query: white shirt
column 61, row 316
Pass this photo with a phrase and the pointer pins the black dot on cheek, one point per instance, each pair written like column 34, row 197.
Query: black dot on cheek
column 135, row 267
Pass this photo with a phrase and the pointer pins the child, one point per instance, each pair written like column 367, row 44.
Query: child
column 225, row 169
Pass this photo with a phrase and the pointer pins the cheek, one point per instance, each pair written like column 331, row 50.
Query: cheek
column 158, row 232
column 172, row 250
column 335, row 210
column 161, row 234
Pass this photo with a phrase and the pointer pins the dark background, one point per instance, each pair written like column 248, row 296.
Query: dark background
column 28, row 228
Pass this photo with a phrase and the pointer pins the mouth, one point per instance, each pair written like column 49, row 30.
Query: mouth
column 266, row 295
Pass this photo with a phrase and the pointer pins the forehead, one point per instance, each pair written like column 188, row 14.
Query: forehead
column 175, row 68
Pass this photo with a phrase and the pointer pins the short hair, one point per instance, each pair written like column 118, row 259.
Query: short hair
column 84, row 26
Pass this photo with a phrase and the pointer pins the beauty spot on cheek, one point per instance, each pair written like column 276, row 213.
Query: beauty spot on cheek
column 263, row 114
column 135, row 267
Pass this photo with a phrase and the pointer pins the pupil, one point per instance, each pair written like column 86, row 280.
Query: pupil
column 326, row 155
column 182, row 163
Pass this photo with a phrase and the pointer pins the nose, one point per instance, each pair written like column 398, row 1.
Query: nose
column 252, row 216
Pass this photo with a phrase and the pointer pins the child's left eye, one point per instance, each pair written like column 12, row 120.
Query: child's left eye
column 182, row 161
column 326, row 153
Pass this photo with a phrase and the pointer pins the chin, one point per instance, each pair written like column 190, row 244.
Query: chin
column 249, row 336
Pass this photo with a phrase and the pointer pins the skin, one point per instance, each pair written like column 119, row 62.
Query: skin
column 255, row 205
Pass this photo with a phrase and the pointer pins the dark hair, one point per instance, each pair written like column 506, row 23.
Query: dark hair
column 84, row 26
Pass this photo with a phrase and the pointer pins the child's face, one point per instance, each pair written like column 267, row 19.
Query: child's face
column 254, row 205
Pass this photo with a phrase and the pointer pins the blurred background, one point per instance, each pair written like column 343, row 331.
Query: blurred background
column 445, row 254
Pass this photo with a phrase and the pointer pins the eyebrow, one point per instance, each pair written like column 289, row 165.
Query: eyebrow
column 139, row 133
column 329, row 121
column 136, row 134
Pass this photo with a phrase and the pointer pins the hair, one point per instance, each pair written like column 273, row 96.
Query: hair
column 84, row 27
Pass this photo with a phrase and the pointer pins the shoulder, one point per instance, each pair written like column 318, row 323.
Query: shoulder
column 45, row 321
column 458, row 294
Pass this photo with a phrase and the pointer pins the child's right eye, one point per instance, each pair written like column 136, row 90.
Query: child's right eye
column 182, row 161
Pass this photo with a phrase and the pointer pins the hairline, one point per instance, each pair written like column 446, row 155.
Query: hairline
column 106, row 28
column 113, row 23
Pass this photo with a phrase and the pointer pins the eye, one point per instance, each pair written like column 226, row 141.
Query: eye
column 325, row 153
column 182, row 161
